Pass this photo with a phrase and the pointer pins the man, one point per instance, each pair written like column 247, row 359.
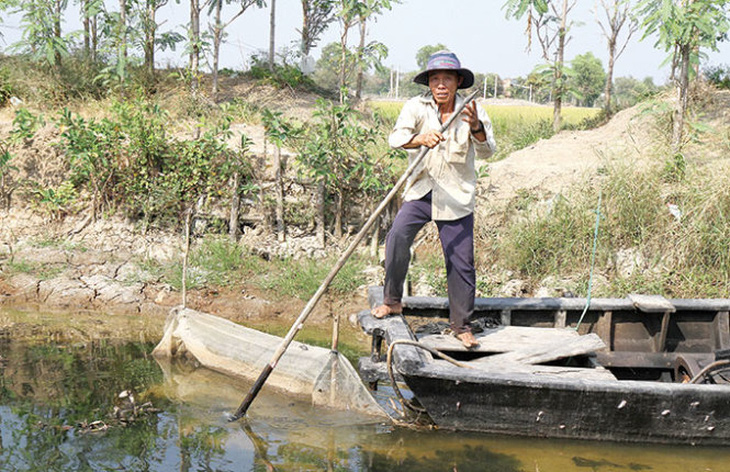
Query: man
column 441, row 189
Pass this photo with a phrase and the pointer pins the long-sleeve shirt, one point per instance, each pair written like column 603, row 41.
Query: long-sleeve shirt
column 448, row 169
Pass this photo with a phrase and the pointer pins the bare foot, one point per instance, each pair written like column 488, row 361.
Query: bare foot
column 382, row 311
column 468, row 339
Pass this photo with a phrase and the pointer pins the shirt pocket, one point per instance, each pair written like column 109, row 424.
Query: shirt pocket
column 458, row 146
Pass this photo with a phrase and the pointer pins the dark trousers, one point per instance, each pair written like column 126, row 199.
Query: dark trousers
column 457, row 243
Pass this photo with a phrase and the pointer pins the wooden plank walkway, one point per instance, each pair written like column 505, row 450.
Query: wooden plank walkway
column 517, row 349
column 502, row 339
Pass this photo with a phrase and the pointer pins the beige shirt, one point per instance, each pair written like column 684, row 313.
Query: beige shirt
column 448, row 169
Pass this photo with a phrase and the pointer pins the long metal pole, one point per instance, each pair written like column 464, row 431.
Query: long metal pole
column 299, row 323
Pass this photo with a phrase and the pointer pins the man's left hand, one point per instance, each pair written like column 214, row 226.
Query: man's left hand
column 472, row 118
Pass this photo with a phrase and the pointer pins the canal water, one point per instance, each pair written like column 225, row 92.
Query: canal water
column 103, row 403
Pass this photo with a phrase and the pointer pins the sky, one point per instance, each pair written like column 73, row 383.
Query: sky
column 476, row 30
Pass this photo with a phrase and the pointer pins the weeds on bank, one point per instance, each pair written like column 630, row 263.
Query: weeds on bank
column 217, row 262
column 684, row 254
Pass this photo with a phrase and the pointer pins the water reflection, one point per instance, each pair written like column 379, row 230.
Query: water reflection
column 49, row 391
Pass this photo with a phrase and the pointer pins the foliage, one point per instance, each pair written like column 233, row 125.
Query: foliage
column 6, row 86
column 718, row 75
column 336, row 150
column 317, row 16
column 25, row 125
column 283, row 75
column 588, row 79
column 551, row 26
column 425, row 52
column 699, row 23
column 56, row 202
column 42, row 37
column 130, row 162
column 629, row 91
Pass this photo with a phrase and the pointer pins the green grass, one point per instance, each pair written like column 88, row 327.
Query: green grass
column 216, row 262
column 686, row 258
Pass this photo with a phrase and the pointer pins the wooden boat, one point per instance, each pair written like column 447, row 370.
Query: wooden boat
column 640, row 369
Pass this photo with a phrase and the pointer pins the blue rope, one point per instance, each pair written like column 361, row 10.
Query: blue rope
column 593, row 262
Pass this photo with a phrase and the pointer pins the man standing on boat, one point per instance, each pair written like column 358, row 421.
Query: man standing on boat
column 441, row 189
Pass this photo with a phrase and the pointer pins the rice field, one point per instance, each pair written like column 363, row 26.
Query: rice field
column 510, row 114
column 515, row 126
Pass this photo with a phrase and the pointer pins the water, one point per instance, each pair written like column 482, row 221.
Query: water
column 50, row 392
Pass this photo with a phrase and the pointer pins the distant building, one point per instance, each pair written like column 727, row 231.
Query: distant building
column 507, row 87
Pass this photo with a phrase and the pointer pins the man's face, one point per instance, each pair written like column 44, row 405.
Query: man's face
column 443, row 85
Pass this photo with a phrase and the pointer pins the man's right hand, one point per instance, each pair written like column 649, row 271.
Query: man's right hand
column 430, row 139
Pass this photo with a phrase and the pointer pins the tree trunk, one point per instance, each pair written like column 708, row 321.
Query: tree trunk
column 58, row 13
column 235, row 208
column 123, row 38
column 343, row 57
column 339, row 210
column 194, row 39
column 94, row 37
column 305, row 28
column 87, row 28
column 280, row 224
column 217, row 37
column 682, row 98
column 608, row 89
column 559, row 86
column 319, row 217
column 272, row 31
column 360, row 54
column 150, row 31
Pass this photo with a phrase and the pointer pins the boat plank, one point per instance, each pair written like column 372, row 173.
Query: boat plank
column 502, row 339
column 543, row 371
column 537, row 354
column 651, row 303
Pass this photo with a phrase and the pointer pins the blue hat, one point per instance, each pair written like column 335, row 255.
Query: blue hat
column 445, row 60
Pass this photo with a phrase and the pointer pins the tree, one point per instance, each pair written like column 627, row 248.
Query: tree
column 425, row 52
column 278, row 132
column 194, row 40
column 618, row 13
column 272, row 31
column 42, row 30
column 218, row 29
column 628, row 91
column 551, row 27
column 335, row 154
column 348, row 14
column 328, row 70
column 683, row 27
column 587, row 78
column 374, row 52
column 90, row 11
column 316, row 17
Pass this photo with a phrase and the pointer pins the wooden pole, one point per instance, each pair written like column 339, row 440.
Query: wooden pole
column 299, row 323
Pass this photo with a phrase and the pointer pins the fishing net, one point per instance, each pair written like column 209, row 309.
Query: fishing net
column 323, row 375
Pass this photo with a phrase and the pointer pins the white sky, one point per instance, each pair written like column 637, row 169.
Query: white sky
column 476, row 30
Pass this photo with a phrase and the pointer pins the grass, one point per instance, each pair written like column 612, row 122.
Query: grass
column 685, row 258
column 216, row 262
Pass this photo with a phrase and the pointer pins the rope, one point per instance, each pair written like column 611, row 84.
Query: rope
column 593, row 262
column 717, row 365
column 391, row 375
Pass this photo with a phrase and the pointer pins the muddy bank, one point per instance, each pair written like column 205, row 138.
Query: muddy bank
column 101, row 267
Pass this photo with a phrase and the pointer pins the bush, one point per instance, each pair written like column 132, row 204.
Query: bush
column 719, row 76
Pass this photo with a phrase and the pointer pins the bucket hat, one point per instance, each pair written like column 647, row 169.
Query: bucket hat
column 445, row 60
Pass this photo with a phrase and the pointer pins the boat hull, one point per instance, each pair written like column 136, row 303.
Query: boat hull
column 626, row 411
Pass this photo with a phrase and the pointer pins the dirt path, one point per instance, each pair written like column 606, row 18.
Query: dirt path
column 551, row 166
